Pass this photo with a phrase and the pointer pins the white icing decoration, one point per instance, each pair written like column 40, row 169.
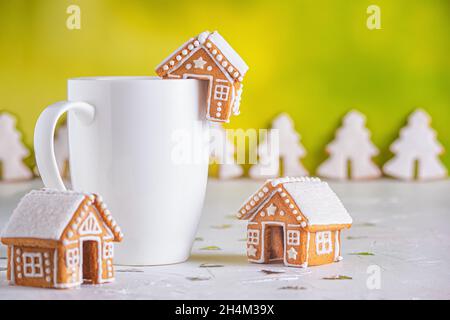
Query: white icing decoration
column 178, row 58
column 203, row 36
column 166, row 67
column 230, row 69
column 214, row 52
column 209, row 45
column 190, row 47
column 224, row 64
column 271, row 210
column 251, row 251
column 209, row 68
column 196, row 43
column 172, row 62
column 292, row 253
column 219, row 57
column 199, row 63
column 188, row 66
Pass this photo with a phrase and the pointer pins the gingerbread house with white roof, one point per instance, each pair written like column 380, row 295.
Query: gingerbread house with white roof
column 297, row 221
column 60, row 239
column 210, row 57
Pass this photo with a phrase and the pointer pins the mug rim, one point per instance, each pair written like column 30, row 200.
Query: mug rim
column 124, row 78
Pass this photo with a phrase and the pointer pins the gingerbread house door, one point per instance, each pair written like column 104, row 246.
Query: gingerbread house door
column 90, row 264
column 274, row 242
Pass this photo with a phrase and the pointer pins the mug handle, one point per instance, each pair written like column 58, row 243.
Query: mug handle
column 44, row 134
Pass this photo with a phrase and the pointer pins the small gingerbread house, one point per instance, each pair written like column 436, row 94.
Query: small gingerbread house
column 297, row 221
column 60, row 239
column 209, row 57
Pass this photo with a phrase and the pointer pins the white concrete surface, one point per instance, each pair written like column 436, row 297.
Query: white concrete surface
column 406, row 226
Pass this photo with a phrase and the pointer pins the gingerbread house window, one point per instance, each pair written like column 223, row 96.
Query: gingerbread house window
column 32, row 265
column 221, row 92
column 253, row 236
column 293, row 237
column 108, row 250
column 323, row 242
column 73, row 257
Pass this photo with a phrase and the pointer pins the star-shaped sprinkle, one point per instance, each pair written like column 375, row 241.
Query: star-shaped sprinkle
column 251, row 251
column 199, row 63
column 292, row 253
column 271, row 210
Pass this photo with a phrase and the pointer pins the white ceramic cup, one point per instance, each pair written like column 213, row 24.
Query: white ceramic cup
column 121, row 146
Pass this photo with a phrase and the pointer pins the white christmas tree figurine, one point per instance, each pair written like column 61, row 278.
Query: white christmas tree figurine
column 351, row 152
column 62, row 150
column 291, row 150
column 416, row 151
column 12, row 151
column 222, row 152
column 268, row 165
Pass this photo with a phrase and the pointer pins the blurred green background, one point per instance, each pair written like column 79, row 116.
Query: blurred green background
column 315, row 60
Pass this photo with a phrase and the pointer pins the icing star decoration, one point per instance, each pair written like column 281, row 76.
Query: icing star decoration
column 292, row 253
column 251, row 251
column 271, row 210
column 199, row 63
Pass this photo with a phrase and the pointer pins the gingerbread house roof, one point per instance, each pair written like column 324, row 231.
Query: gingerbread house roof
column 44, row 214
column 312, row 197
column 206, row 40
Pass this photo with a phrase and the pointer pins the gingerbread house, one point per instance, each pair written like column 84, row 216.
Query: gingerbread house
column 297, row 221
column 209, row 57
column 60, row 240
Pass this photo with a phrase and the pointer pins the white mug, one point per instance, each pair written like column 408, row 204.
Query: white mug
column 120, row 143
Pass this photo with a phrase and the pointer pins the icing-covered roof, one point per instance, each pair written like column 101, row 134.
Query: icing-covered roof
column 314, row 198
column 45, row 214
column 318, row 203
column 207, row 41
column 232, row 56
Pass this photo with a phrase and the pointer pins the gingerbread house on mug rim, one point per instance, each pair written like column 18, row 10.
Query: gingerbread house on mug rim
column 60, row 239
column 294, row 220
column 210, row 57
